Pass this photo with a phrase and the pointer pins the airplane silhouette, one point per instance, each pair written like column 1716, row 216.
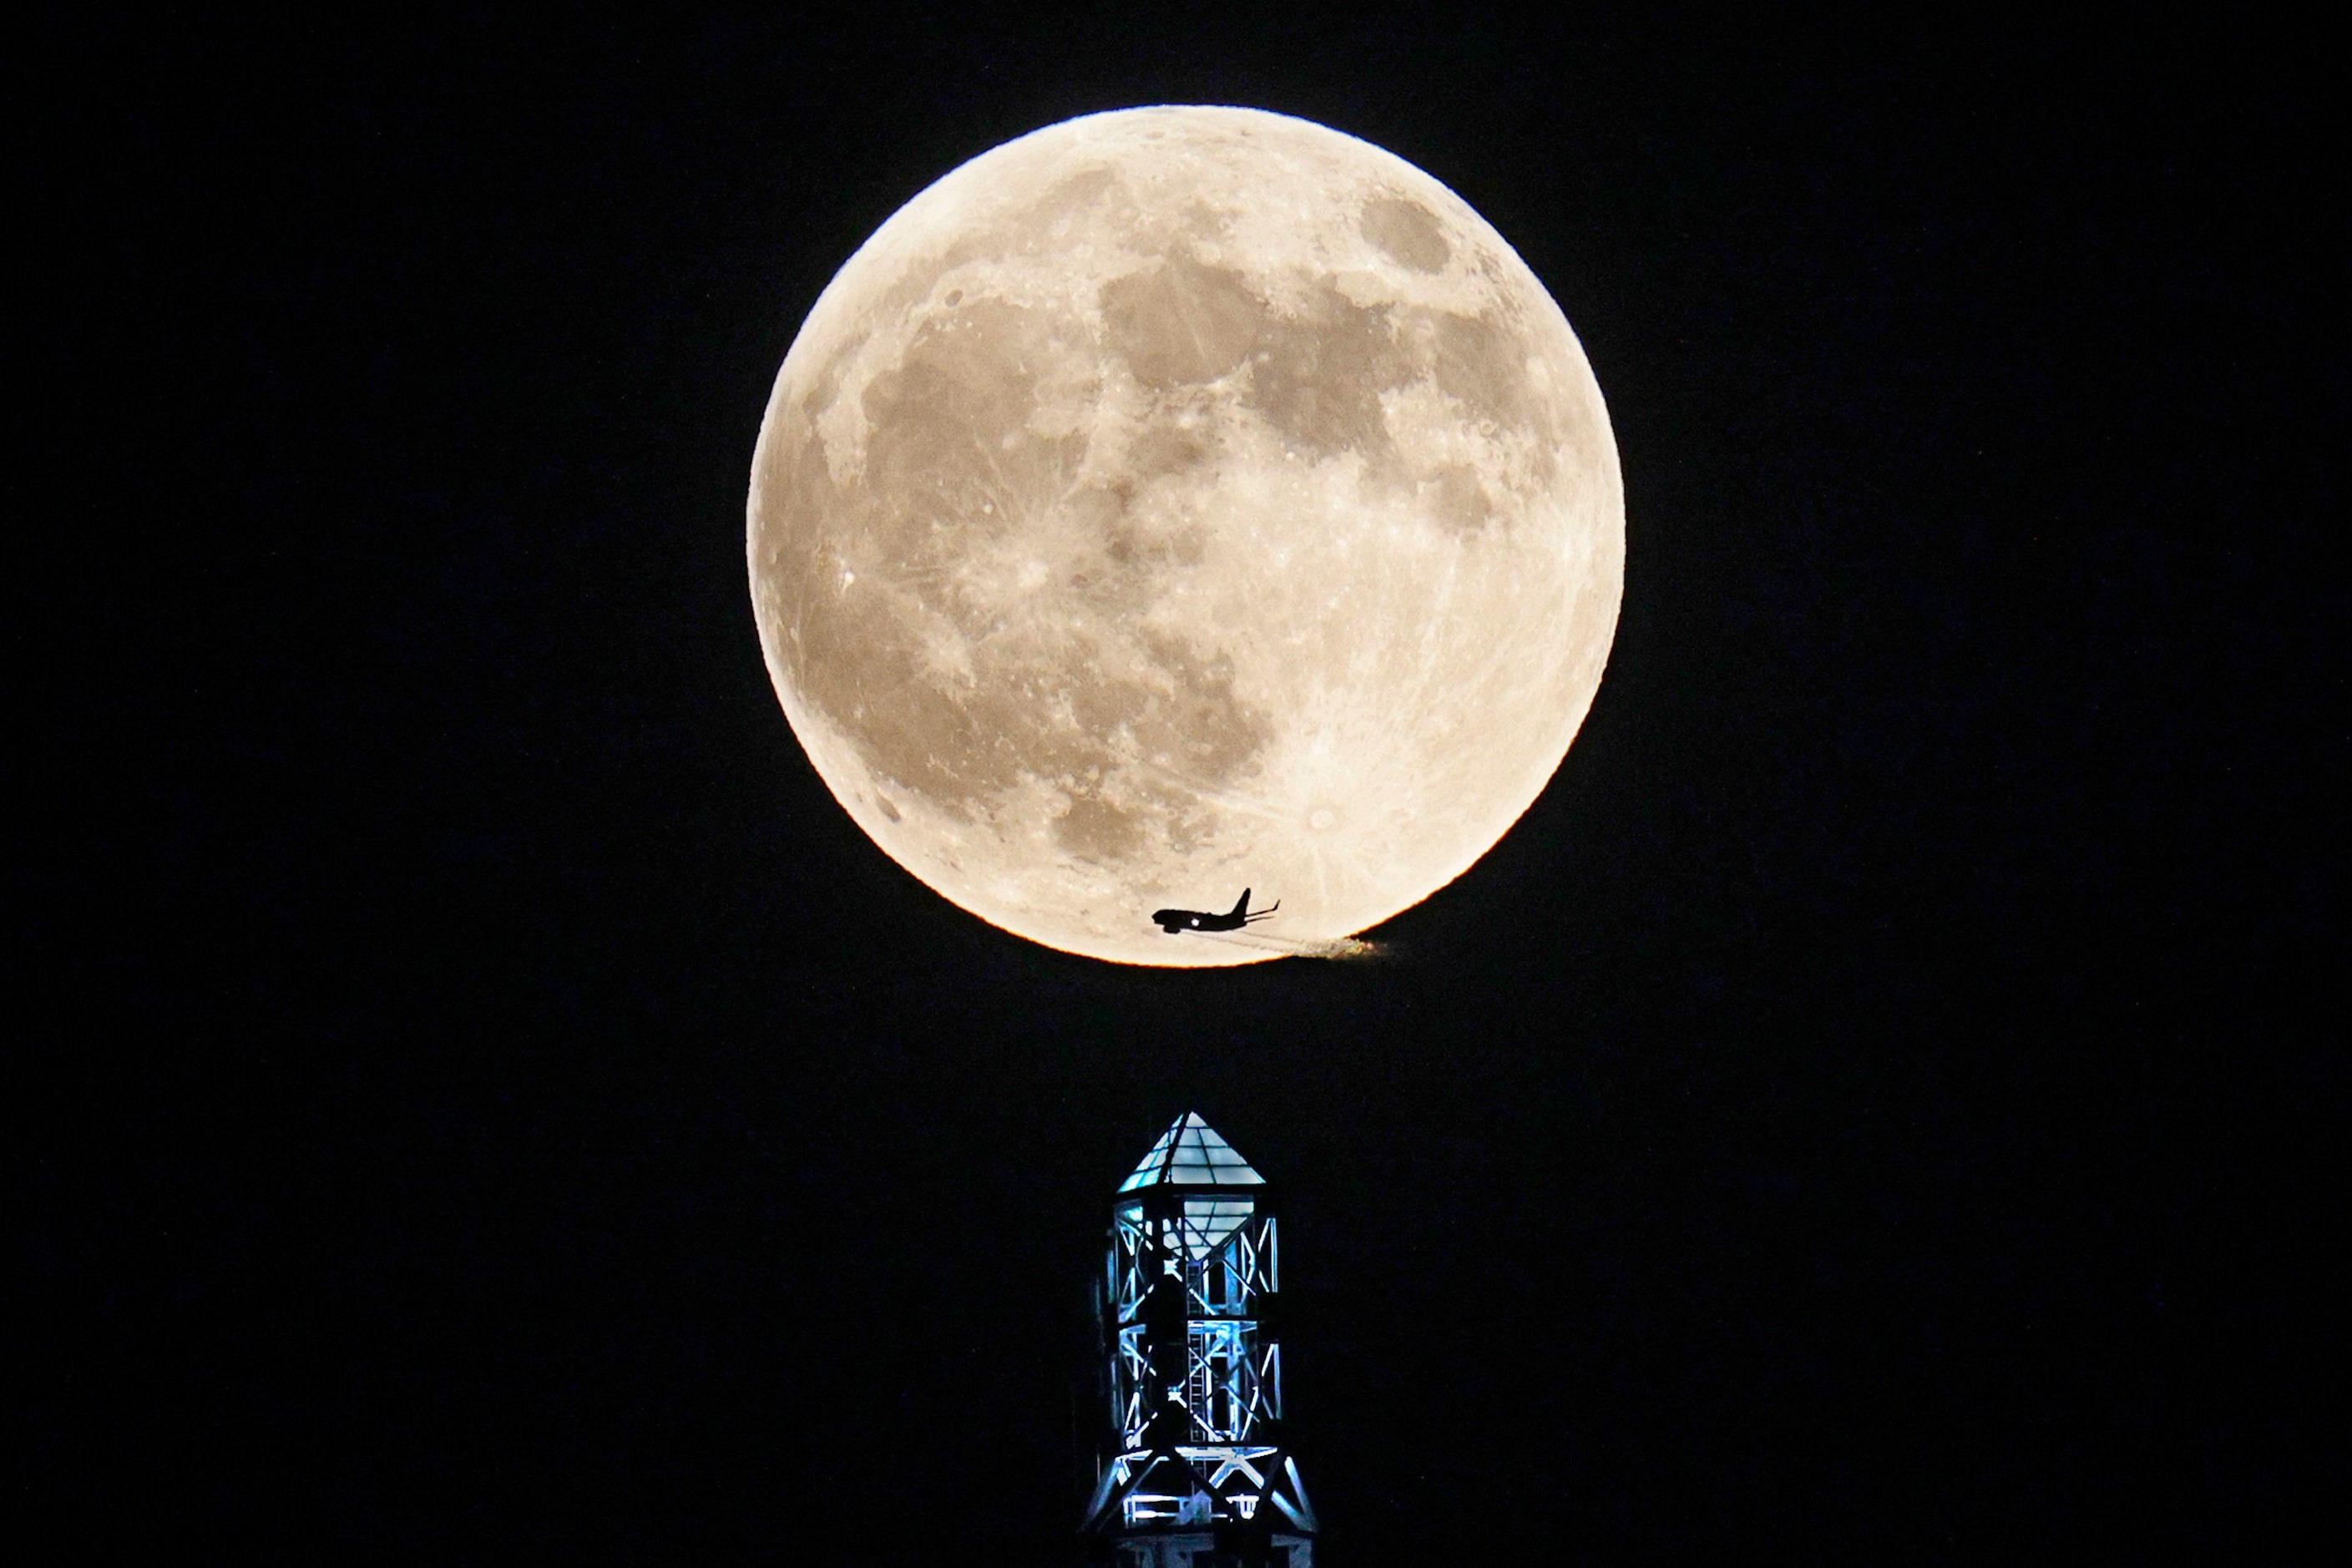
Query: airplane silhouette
column 1175, row 922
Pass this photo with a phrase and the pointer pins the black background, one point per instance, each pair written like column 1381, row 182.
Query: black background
column 489, row 1098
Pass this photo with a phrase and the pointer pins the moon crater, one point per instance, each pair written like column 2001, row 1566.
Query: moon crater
column 1178, row 499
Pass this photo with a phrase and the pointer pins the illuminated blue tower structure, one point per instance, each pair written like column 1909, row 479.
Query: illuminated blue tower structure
column 1198, row 1472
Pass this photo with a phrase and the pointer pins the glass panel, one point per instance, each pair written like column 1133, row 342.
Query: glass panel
column 1191, row 1154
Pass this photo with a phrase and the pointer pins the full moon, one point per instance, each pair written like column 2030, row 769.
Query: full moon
column 1181, row 500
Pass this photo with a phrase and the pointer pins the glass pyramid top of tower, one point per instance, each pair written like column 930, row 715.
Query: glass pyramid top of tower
column 1190, row 1154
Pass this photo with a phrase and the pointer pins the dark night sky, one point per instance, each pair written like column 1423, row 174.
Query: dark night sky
column 1880, row 1102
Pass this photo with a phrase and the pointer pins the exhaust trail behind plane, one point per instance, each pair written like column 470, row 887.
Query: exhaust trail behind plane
column 1299, row 947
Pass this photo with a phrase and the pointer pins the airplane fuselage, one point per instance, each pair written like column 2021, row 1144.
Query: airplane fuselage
column 1177, row 922
column 1174, row 920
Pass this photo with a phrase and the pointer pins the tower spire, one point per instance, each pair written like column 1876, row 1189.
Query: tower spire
column 1196, row 1471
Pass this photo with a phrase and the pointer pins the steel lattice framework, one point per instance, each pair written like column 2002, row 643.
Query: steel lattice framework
column 1198, row 1473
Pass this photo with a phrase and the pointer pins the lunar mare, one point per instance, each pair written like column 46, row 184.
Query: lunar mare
column 1179, row 500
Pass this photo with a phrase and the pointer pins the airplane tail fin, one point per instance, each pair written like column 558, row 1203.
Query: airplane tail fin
column 1242, row 908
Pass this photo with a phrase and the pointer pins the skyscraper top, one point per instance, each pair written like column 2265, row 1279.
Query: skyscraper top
column 1190, row 1154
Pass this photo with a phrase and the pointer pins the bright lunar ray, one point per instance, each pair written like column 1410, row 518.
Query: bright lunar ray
column 1181, row 499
